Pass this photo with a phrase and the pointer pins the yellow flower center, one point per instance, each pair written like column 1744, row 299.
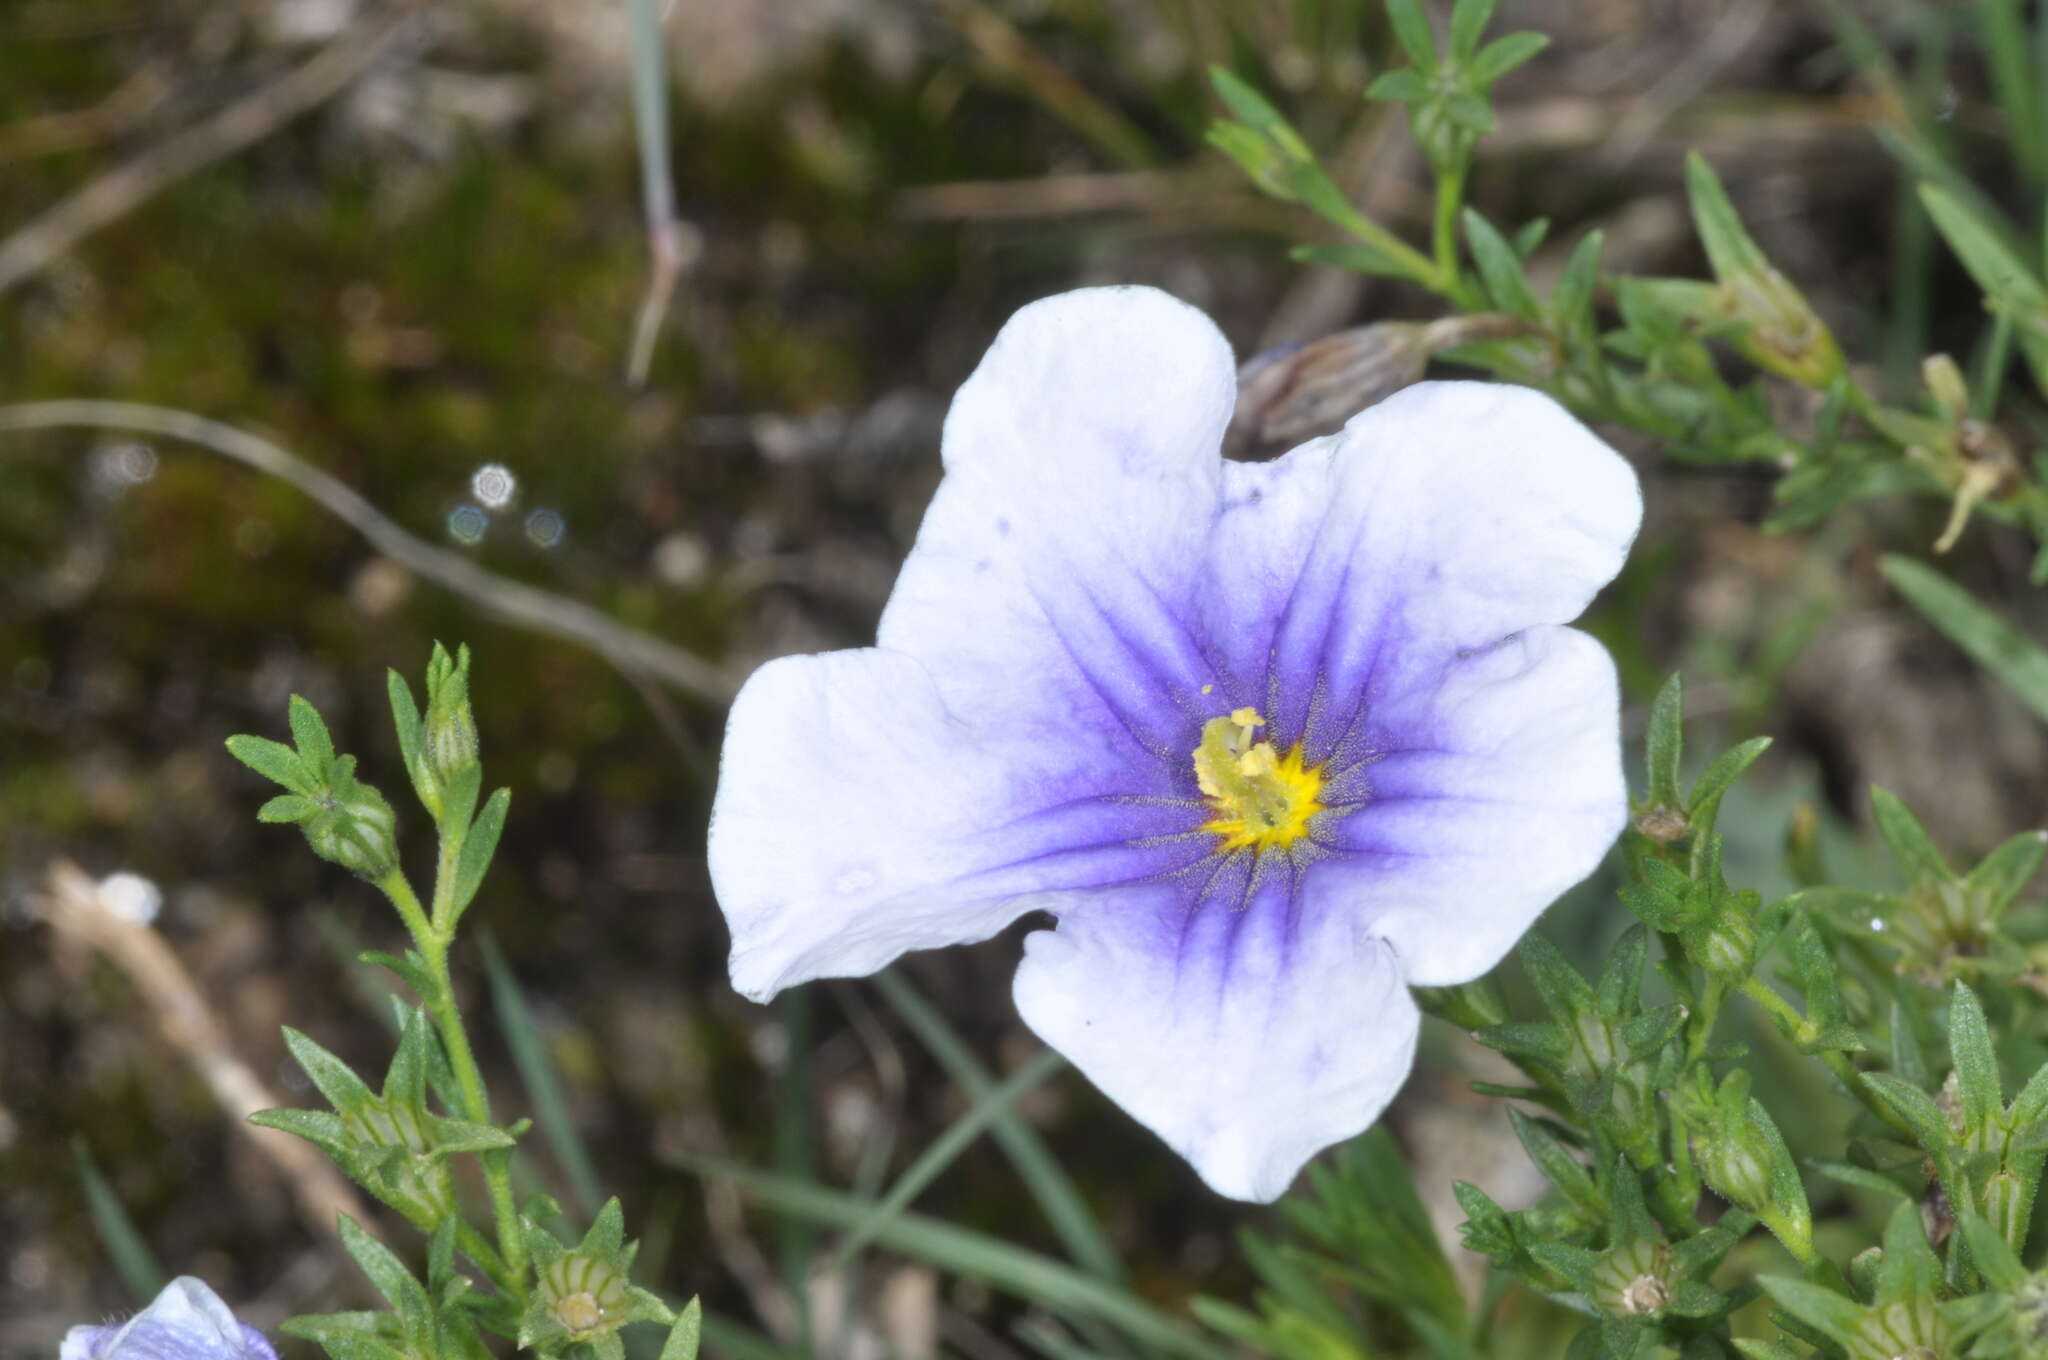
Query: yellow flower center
column 1262, row 799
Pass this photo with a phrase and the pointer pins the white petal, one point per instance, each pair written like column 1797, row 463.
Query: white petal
column 857, row 818
column 1248, row 1039
column 1497, row 790
column 1052, row 581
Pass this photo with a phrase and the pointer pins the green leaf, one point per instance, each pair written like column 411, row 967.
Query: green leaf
column 1919, row 1111
column 543, row 1085
column 123, row 1242
column 1557, row 1164
column 1469, row 19
column 1725, row 770
column 1729, row 245
column 460, row 798
column 1834, row 1316
column 1622, row 975
column 1976, row 1063
column 463, row 1135
column 1257, row 113
column 607, row 1235
column 323, row 1130
column 1359, row 258
column 1565, row 994
column 276, row 762
column 683, row 1338
column 2001, row 1269
column 316, row 748
column 1858, row 1177
column 1527, row 1039
column 1470, row 112
column 477, row 848
column 1995, row 644
column 2001, row 875
column 287, row 807
column 411, row 969
column 1401, row 86
column 1501, row 268
column 1411, row 29
column 1060, row 1289
column 1983, row 251
column 404, row 1293
column 405, row 718
column 1908, row 841
column 1056, row 1195
column 336, row 1080
column 405, row 1081
column 1503, row 55
column 1666, row 739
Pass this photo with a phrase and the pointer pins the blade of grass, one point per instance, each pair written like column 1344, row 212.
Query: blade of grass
column 1995, row 644
column 2013, row 77
column 1048, row 1184
column 543, row 1088
column 1059, row 1288
column 725, row 1339
column 946, row 1148
column 133, row 1261
column 792, row 1134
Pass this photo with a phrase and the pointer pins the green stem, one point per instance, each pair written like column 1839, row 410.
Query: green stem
column 1704, row 1020
column 1845, row 1071
column 1450, row 196
column 432, row 941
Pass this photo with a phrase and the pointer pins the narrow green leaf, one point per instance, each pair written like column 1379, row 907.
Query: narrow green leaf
column 336, row 1080
column 1622, row 975
column 123, row 1242
column 1919, row 1111
column 1503, row 55
column 1995, row 644
column 1908, row 841
column 452, row 1136
column 1469, row 19
column 1403, row 85
column 1565, row 994
column 2001, row 875
column 404, row 1293
column 459, row 804
column 1837, row 1317
column 1666, row 740
column 1469, row 111
column 405, row 719
column 323, row 1130
column 946, row 1148
column 1909, row 1268
column 477, row 848
column 405, row 1081
column 2001, row 1269
column 287, row 807
column 1557, row 1164
column 1257, row 113
column 1976, row 1063
column 1728, row 242
column 537, row 1075
column 1501, row 268
column 1060, row 1289
column 1358, row 258
column 1981, row 247
column 1411, row 29
column 1725, row 770
column 274, row 761
column 309, row 731
column 1858, row 1177
column 683, row 1338
column 1055, row 1194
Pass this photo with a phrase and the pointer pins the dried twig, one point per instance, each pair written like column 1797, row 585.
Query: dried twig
column 75, row 909
column 109, row 197
column 517, row 603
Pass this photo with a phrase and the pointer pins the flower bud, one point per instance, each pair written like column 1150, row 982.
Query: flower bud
column 356, row 829
column 448, row 744
column 1726, row 947
column 1784, row 335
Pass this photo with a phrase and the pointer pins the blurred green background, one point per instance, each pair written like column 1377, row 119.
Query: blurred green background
column 426, row 286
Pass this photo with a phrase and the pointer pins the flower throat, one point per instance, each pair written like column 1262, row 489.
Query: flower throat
column 1261, row 798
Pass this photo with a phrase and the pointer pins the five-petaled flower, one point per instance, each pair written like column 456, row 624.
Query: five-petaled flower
column 1270, row 740
column 187, row 1321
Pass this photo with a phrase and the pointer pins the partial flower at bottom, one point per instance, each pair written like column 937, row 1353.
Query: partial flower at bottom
column 187, row 1321
column 1271, row 741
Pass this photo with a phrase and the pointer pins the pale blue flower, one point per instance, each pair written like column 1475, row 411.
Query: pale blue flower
column 187, row 1321
column 1270, row 740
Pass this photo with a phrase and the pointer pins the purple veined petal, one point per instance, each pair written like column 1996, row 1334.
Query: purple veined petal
column 1490, row 792
column 1051, row 589
column 1245, row 1027
column 857, row 818
column 187, row 1321
column 1442, row 520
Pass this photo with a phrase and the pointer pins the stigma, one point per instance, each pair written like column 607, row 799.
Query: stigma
column 1260, row 799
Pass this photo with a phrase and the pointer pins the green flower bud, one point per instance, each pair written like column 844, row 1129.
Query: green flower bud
column 2007, row 1204
column 1726, row 948
column 356, row 829
column 448, row 744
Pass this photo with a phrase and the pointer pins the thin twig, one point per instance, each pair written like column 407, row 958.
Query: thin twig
column 517, row 603
column 75, row 909
column 112, row 195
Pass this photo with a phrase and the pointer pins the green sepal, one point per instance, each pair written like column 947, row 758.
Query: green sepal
column 287, row 808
